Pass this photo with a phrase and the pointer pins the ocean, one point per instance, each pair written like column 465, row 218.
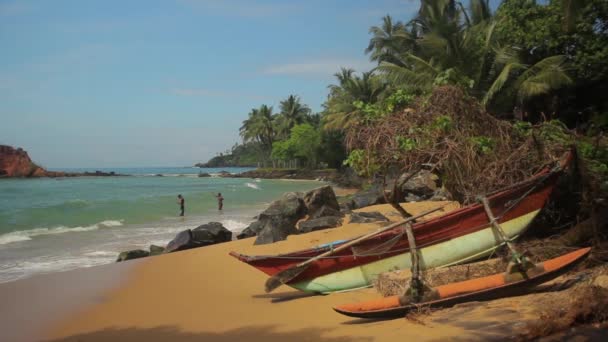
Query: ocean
column 57, row 224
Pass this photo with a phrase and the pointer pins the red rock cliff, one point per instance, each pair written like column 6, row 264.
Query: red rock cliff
column 16, row 163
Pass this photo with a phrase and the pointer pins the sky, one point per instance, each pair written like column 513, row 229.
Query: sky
column 130, row 83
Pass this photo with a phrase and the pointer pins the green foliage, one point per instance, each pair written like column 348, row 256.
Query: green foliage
column 362, row 162
column 303, row 143
column 282, row 150
column 399, row 99
column 406, row 144
column 453, row 76
column 442, row 123
column 595, row 153
column 485, row 145
column 241, row 155
column 555, row 131
column 522, row 128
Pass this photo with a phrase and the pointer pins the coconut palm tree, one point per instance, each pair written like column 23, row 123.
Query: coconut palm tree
column 292, row 113
column 388, row 40
column 341, row 111
column 459, row 47
column 259, row 126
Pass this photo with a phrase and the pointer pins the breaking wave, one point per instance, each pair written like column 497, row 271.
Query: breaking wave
column 25, row 235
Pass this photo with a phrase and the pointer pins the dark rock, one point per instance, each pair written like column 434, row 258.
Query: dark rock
column 182, row 241
column 321, row 197
column 372, row 216
column 326, row 211
column 211, row 233
column 204, row 174
column 423, row 185
column 412, row 198
column 319, row 224
column 280, row 218
column 441, row 194
column 251, row 231
column 156, row 250
column 372, row 196
column 133, row 254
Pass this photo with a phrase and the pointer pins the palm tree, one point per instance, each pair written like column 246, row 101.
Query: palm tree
column 341, row 111
column 528, row 81
column 389, row 40
column 460, row 47
column 259, row 127
column 292, row 113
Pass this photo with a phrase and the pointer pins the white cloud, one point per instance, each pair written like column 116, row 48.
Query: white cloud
column 320, row 67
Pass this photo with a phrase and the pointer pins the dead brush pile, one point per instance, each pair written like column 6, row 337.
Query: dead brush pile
column 473, row 151
column 585, row 303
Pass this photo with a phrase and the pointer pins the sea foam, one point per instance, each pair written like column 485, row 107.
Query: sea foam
column 234, row 226
column 252, row 185
column 25, row 235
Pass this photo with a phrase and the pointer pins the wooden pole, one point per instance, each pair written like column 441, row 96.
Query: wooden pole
column 498, row 228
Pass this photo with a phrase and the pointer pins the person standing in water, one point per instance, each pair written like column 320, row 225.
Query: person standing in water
column 220, row 201
column 180, row 201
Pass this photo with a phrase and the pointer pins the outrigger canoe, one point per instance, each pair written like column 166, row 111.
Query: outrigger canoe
column 459, row 236
column 479, row 289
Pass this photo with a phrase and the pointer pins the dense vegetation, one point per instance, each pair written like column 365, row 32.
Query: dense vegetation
column 528, row 64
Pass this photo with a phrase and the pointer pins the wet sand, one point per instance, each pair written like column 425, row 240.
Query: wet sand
column 204, row 294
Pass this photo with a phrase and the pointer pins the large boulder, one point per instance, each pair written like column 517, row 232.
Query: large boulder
column 211, row 233
column 133, row 254
column 182, row 241
column 319, row 224
column 422, row 186
column 371, row 196
column 203, row 235
column 156, row 250
column 251, row 231
column 279, row 219
column 367, row 217
column 319, row 201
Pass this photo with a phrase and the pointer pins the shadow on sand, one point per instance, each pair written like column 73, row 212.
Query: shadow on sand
column 286, row 296
column 169, row 333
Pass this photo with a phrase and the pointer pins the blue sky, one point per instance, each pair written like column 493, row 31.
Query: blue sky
column 166, row 83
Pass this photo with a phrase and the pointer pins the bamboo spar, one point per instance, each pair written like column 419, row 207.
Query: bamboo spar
column 292, row 272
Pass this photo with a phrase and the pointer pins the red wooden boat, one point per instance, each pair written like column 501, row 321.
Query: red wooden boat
column 479, row 289
column 458, row 236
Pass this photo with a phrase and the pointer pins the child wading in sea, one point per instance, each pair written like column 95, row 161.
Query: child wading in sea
column 180, row 201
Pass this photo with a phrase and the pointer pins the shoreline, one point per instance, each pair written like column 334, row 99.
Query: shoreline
column 205, row 294
column 212, row 296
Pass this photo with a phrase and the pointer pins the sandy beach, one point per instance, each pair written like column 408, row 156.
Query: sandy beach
column 204, row 294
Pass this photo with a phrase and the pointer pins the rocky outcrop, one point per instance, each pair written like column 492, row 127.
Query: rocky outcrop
column 279, row 219
column 17, row 163
column 325, row 175
column 319, row 224
column 156, row 250
column 203, row 235
column 211, row 233
column 133, row 254
column 321, row 202
column 422, row 186
column 371, row 196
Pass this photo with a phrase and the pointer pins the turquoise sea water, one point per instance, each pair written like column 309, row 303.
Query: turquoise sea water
column 49, row 225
